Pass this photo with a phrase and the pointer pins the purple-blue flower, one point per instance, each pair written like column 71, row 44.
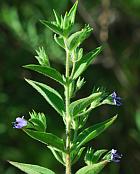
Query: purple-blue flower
column 20, row 123
column 115, row 156
column 116, row 99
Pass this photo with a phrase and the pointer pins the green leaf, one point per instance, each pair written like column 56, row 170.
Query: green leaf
column 39, row 116
column 80, row 82
column 79, row 122
column 85, row 61
column 57, row 17
column 92, row 169
column 72, row 12
column 91, row 132
column 31, row 169
column 77, row 38
column 66, row 24
column 37, row 121
column 47, row 138
column 76, row 154
column 57, row 155
column 77, row 54
column 59, row 40
column 37, row 124
column 42, row 57
column 98, row 154
column 68, row 20
column 51, row 25
column 47, row 71
column 51, row 96
column 92, row 157
column 80, row 105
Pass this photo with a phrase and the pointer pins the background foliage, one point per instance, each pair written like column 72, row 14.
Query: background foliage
column 117, row 27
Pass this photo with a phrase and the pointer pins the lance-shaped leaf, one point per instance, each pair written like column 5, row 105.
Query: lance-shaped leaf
column 47, row 71
column 91, row 132
column 85, row 61
column 31, row 169
column 77, row 38
column 54, row 27
column 47, row 138
column 72, row 13
column 51, row 95
column 81, row 104
column 92, row 169
column 57, row 155
column 57, row 18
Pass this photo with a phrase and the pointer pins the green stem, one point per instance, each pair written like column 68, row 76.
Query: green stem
column 68, row 119
column 73, row 68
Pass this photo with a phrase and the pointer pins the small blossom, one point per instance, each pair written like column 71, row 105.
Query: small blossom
column 115, row 156
column 20, row 123
column 116, row 99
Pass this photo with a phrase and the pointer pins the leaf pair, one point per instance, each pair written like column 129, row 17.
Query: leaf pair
column 34, row 169
column 80, row 109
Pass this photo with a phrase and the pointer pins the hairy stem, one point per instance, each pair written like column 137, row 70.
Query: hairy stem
column 73, row 68
column 68, row 119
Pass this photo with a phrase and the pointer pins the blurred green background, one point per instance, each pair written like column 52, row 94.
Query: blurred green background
column 116, row 26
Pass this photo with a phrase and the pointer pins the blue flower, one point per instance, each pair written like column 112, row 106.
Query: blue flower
column 20, row 123
column 115, row 156
column 116, row 99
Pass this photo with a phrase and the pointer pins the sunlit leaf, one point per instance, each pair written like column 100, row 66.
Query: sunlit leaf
column 31, row 169
column 51, row 95
column 78, row 106
column 85, row 61
column 72, row 12
column 91, row 132
column 47, row 71
column 55, row 28
column 92, row 169
column 77, row 38
column 47, row 138
column 57, row 17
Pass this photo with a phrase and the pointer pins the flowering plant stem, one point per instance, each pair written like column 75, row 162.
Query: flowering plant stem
column 75, row 113
column 67, row 115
